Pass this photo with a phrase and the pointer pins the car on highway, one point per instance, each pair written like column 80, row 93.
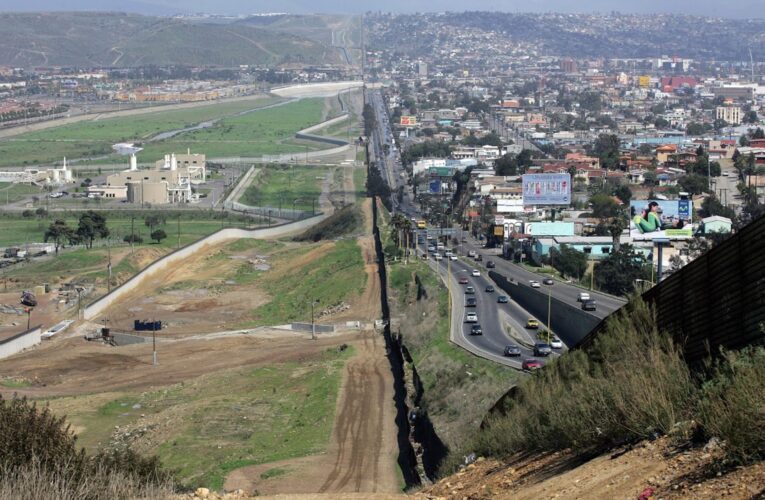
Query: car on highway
column 542, row 349
column 556, row 343
column 470, row 302
column 471, row 253
column 464, row 280
column 512, row 351
column 475, row 272
column 476, row 330
column 438, row 256
column 490, row 264
column 489, row 289
column 448, row 253
column 532, row 323
column 471, row 317
column 548, row 281
column 431, row 249
column 502, row 299
column 533, row 283
column 531, row 364
column 469, row 289
column 452, row 257
column 589, row 305
column 582, row 297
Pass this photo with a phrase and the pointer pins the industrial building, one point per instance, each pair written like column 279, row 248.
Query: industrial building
column 169, row 181
column 54, row 176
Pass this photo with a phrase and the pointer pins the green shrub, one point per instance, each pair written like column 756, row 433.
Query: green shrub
column 733, row 404
column 36, row 446
column 633, row 382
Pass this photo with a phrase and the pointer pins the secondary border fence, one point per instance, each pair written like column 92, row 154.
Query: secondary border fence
column 715, row 302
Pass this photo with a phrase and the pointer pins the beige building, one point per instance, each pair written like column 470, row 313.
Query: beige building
column 731, row 114
column 169, row 181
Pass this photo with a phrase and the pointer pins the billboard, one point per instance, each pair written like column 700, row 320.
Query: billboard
column 546, row 189
column 434, row 187
column 644, row 81
column 510, row 206
column 408, row 120
column 651, row 219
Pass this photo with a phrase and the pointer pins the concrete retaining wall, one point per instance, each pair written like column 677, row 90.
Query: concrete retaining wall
column 100, row 305
column 569, row 323
column 19, row 342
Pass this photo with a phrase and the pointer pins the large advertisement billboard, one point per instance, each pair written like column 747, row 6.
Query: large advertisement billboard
column 651, row 219
column 546, row 189
column 409, row 121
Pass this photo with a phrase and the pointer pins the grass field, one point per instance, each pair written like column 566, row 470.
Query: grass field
column 17, row 231
column 10, row 192
column 252, row 134
column 223, row 421
column 286, row 184
column 335, row 274
column 360, row 182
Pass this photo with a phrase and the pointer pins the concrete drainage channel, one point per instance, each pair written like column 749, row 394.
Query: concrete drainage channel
column 420, row 449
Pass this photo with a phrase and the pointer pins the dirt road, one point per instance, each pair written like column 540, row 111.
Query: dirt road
column 362, row 454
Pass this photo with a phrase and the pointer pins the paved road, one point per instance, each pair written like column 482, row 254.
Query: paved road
column 493, row 317
column 606, row 304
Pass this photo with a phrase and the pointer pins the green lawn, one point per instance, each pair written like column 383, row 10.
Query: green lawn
column 253, row 134
column 226, row 420
column 276, row 186
column 360, row 181
column 12, row 192
column 332, row 278
column 92, row 138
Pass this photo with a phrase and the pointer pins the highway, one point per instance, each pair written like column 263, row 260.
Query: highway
column 606, row 304
column 494, row 318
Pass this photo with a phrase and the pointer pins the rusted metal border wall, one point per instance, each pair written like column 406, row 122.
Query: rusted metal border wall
column 717, row 301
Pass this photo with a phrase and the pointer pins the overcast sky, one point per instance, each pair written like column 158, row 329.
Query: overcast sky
column 717, row 8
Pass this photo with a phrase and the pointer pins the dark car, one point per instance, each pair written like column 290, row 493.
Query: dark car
column 489, row 289
column 531, row 364
column 548, row 281
column 470, row 302
column 589, row 305
column 512, row 351
column 542, row 349
column 490, row 264
column 502, row 299
column 476, row 330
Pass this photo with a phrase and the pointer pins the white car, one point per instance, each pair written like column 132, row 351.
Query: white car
column 556, row 343
column 471, row 317
column 475, row 272
column 438, row 256
column 534, row 283
column 452, row 257
column 582, row 297
column 448, row 254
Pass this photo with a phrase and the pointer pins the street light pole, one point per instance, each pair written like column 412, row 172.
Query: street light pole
column 154, row 342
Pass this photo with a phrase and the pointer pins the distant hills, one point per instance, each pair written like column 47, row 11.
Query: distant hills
column 90, row 39
column 580, row 35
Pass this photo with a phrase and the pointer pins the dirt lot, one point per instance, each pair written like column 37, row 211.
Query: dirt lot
column 362, row 453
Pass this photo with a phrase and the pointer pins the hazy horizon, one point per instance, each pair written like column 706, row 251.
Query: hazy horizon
column 733, row 9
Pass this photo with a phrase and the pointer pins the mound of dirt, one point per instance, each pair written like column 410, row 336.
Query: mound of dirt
column 647, row 470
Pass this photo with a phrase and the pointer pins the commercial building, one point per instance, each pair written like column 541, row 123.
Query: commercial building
column 731, row 114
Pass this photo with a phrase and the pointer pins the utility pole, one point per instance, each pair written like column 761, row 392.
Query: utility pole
column 549, row 311
column 132, row 234
column 179, row 230
column 154, row 342
column 109, row 267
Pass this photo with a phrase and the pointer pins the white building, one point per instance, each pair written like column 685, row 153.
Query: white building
column 731, row 114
